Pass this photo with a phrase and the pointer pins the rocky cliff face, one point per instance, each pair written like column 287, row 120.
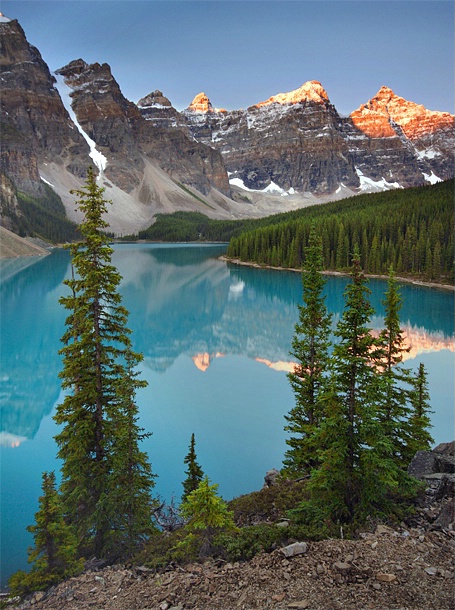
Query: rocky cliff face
column 296, row 142
column 54, row 126
column 401, row 141
column 36, row 128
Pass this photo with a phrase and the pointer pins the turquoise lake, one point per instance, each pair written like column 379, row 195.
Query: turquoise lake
column 215, row 339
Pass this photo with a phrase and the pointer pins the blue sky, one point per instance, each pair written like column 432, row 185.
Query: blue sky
column 240, row 52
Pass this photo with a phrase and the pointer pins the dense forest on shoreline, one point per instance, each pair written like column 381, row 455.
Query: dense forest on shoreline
column 411, row 229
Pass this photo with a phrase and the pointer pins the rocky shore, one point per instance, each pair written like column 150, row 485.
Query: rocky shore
column 405, row 567
column 13, row 246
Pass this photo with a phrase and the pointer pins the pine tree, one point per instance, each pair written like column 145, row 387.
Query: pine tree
column 356, row 469
column 54, row 555
column 395, row 406
column 131, row 479
column 206, row 514
column 99, row 437
column 419, row 438
column 310, row 348
column 194, row 472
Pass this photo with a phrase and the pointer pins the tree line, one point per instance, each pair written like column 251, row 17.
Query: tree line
column 412, row 230
column 44, row 217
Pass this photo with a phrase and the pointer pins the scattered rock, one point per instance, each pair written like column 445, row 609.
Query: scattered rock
column 299, row 605
column 383, row 529
column 342, row 567
column 297, row 548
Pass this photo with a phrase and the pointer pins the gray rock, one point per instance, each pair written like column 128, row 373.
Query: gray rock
column 446, row 448
column 342, row 566
column 271, row 477
column 423, row 463
column 297, row 548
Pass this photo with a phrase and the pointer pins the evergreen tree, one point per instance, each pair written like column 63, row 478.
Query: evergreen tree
column 54, row 555
column 194, row 472
column 132, row 478
column 419, row 438
column 207, row 514
column 98, row 442
column 395, row 405
column 310, row 348
column 356, row 470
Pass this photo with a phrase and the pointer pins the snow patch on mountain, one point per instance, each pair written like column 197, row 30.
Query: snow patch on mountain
column 431, row 178
column 46, row 181
column 428, row 153
column 367, row 184
column 272, row 188
column 64, row 90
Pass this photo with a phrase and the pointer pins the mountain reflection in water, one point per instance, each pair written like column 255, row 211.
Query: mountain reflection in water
column 182, row 301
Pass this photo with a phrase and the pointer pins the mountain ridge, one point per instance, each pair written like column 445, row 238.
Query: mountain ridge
column 291, row 150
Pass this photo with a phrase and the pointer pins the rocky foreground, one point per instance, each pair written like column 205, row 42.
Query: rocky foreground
column 385, row 570
column 408, row 567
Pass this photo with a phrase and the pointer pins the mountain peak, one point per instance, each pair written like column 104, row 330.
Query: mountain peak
column 381, row 115
column 156, row 99
column 311, row 91
column 4, row 18
column 385, row 92
column 201, row 103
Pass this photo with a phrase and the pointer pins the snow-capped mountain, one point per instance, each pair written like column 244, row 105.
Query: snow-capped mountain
column 296, row 142
column 288, row 151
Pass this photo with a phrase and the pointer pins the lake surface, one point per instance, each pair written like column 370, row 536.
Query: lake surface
column 216, row 340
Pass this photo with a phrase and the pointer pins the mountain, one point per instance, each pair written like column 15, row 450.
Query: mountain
column 297, row 143
column 291, row 150
column 55, row 125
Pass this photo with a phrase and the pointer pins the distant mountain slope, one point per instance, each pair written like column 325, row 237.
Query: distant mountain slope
column 54, row 127
column 11, row 246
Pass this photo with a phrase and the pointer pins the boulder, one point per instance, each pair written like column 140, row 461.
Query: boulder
column 271, row 477
column 297, row 548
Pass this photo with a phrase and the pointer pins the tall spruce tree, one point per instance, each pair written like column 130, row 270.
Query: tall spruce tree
column 419, row 437
column 98, row 442
column 395, row 403
column 194, row 473
column 356, row 470
column 310, row 348
column 54, row 554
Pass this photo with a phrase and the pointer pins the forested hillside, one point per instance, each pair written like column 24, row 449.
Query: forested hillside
column 40, row 216
column 410, row 229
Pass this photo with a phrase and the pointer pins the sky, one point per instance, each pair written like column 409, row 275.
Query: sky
column 241, row 52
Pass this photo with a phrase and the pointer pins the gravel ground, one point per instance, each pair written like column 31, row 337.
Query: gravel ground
column 386, row 570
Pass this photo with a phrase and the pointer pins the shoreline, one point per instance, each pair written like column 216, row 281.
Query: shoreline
column 236, row 261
